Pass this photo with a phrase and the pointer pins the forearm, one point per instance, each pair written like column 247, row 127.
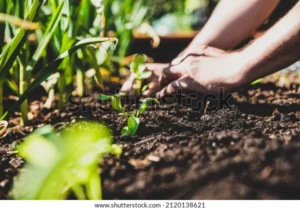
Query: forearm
column 276, row 49
column 233, row 21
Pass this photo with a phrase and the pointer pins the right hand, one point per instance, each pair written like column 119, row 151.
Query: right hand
column 161, row 76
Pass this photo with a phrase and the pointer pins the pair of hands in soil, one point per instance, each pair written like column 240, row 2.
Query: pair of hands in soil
column 200, row 69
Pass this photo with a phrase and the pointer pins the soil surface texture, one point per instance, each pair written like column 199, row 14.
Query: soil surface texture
column 247, row 150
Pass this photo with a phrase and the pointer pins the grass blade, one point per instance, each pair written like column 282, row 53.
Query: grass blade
column 8, row 57
column 45, row 39
column 52, row 68
column 5, row 18
column 2, row 25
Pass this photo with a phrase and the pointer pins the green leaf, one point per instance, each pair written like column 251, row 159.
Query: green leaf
column 104, row 97
column 52, row 68
column 133, row 125
column 146, row 75
column 58, row 163
column 145, row 88
column 94, row 186
column 117, row 104
column 2, row 25
column 257, row 81
column 116, row 150
column 45, row 39
column 12, row 50
column 125, row 130
column 137, row 66
column 145, row 105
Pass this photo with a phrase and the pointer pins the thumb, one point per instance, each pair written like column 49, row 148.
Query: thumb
column 213, row 52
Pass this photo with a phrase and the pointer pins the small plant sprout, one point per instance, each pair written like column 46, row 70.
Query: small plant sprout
column 258, row 81
column 65, row 162
column 138, row 69
column 133, row 121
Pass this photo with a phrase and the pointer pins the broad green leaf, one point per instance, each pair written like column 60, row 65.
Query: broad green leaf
column 70, row 162
column 116, row 150
column 117, row 104
column 146, row 75
column 133, row 125
column 104, row 97
column 125, row 131
column 52, row 68
column 137, row 66
column 145, row 105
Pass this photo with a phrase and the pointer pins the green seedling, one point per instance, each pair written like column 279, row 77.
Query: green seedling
column 138, row 69
column 58, row 164
column 258, row 81
column 133, row 121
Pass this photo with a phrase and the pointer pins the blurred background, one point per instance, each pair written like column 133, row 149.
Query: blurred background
column 176, row 22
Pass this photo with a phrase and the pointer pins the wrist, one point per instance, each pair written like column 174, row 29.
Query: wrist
column 238, row 74
column 247, row 65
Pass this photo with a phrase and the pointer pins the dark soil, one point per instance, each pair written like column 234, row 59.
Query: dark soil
column 250, row 150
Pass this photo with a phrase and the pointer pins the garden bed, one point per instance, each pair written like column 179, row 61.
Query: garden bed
column 248, row 151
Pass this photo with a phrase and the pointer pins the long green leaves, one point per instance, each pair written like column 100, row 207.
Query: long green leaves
column 45, row 39
column 2, row 25
column 11, row 51
column 52, row 68
column 64, row 163
column 13, row 48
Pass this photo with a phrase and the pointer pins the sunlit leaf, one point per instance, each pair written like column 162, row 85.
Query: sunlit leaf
column 125, row 130
column 52, row 68
column 61, row 163
column 133, row 124
column 104, row 97
column 117, row 104
column 145, row 105
column 137, row 66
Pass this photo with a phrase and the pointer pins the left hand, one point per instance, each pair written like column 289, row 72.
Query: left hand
column 207, row 73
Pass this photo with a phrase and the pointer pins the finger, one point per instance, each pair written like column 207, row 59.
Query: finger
column 153, row 66
column 195, row 51
column 179, row 59
column 132, row 91
column 213, row 52
column 181, row 83
column 169, row 72
column 173, row 72
column 128, row 84
column 153, row 88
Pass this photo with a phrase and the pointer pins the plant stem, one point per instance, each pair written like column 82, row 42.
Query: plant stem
column 138, row 83
column 80, row 82
column 22, row 88
column 61, row 89
column 1, row 97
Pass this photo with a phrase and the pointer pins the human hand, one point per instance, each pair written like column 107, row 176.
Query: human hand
column 161, row 76
column 208, row 72
column 197, row 50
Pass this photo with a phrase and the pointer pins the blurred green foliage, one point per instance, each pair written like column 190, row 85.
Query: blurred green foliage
column 58, row 164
